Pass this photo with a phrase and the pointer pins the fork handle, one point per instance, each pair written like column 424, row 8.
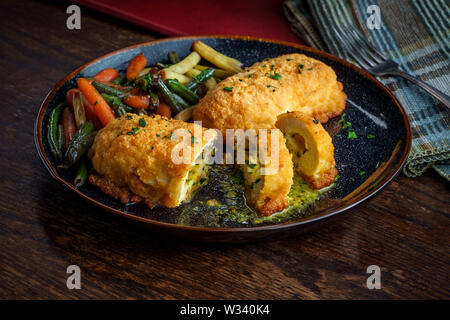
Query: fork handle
column 442, row 97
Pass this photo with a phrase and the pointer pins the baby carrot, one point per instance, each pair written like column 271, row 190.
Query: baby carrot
column 107, row 75
column 104, row 112
column 164, row 110
column 136, row 65
column 138, row 102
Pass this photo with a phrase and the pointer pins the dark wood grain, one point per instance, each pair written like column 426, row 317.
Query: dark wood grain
column 44, row 229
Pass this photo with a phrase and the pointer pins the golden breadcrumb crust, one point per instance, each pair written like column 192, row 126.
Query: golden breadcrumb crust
column 142, row 161
column 316, row 164
column 257, row 97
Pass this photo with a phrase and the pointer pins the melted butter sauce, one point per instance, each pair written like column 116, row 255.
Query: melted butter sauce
column 229, row 207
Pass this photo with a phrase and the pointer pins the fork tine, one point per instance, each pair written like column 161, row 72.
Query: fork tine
column 366, row 51
column 359, row 36
column 358, row 46
column 360, row 49
column 352, row 53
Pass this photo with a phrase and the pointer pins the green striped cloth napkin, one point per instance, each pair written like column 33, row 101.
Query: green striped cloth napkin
column 415, row 34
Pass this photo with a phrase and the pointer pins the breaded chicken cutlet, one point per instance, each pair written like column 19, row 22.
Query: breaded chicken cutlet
column 254, row 98
column 136, row 152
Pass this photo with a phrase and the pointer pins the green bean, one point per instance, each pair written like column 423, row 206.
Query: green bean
column 84, row 130
column 173, row 57
column 182, row 91
column 82, row 172
column 145, row 82
column 79, row 148
column 218, row 73
column 175, row 102
column 116, row 104
column 200, row 79
column 52, row 131
column 120, row 79
column 60, row 136
column 181, row 101
column 154, row 99
column 103, row 88
column 79, row 144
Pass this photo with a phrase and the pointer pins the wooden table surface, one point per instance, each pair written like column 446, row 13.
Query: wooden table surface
column 44, row 228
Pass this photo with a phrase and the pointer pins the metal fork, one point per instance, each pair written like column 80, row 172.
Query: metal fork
column 376, row 63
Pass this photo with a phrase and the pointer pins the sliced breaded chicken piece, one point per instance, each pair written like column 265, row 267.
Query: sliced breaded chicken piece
column 311, row 148
column 138, row 152
column 254, row 98
column 268, row 178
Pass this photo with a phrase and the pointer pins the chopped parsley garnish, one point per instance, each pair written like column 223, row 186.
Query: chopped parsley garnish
column 352, row 135
column 202, row 180
column 250, row 75
column 300, row 67
column 129, row 117
column 316, row 121
column 193, row 139
column 362, row 173
column 229, row 89
column 275, row 76
column 252, row 165
column 158, row 135
column 133, row 131
column 266, row 59
column 370, row 136
column 96, row 102
column 142, row 122
column 288, row 59
column 337, row 178
column 309, row 69
column 345, row 124
column 270, row 86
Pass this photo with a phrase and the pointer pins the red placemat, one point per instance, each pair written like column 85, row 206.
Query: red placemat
column 258, row 18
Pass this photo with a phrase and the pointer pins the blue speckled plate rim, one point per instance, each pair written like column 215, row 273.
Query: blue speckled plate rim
column 320, row 215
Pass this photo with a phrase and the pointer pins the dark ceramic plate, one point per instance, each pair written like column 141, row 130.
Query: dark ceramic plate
column 365, row 165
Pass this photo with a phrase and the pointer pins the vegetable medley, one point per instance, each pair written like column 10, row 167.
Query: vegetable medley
column 168, row 89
